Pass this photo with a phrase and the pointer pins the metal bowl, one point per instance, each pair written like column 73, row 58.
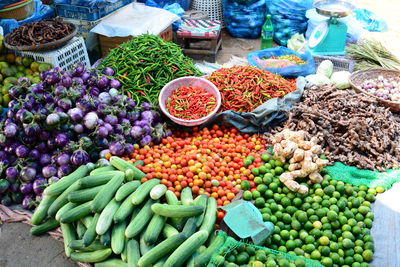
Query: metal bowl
column 334, row 8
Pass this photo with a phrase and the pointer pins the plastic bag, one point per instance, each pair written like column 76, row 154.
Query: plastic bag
column 370, row 21
column 297, row 42
column 142, row 19
column 244, row 20
column 288, row 18
column 4, row 3
column 288, row 71
column 318, row 79
column 174, row 8
column 354, row 27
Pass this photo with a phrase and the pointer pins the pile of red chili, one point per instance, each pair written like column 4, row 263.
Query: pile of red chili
column 190, row 103
column 245, row 88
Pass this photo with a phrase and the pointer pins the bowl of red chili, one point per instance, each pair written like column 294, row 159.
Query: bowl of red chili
column 189, row 101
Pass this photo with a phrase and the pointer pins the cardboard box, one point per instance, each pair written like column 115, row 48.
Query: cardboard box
column 107, row 43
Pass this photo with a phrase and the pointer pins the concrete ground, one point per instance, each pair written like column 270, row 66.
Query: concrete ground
column 19, row 249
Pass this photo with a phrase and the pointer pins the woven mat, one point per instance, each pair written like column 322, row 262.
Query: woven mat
column 15, row 216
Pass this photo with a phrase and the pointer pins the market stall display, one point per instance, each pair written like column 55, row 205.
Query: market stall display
column 145, row 64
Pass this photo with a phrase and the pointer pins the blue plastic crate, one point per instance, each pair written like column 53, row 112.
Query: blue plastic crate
column 88, row 13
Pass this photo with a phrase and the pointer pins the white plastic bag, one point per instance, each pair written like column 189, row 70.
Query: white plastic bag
column 135, row 19
column 318, row 79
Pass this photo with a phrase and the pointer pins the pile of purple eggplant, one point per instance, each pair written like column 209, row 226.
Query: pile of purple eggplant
column 67, row 120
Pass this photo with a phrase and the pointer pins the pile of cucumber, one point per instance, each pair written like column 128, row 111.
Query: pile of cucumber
column 108, row 217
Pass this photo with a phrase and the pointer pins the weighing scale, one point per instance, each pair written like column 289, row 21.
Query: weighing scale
column 329, row 37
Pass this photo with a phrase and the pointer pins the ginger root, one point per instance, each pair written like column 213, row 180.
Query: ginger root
column 302, row 154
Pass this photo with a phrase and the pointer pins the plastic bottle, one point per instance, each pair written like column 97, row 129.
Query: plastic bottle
column 267, row 33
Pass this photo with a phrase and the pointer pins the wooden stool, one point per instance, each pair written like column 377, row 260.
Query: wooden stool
column 198, row 30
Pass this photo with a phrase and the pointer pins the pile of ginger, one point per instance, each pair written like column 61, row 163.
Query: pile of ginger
column 303, row 157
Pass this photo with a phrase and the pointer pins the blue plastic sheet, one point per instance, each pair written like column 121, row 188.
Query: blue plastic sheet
column 41, row 12
column 4, row 3
column 174, row 8
column 370, row 21
column 87, row 3
column 288, row 18
column 290, row 71
column 244, row 20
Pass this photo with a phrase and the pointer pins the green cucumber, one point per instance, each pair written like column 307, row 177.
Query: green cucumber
column 140, row 221
column 169, row 231
column 64, row 209
column 87, row 220
column 106, row 238
column 210, row 216
column 107, row 193
column 102, row 169
column 154, row 229
column 125, row 209
column 76, row 244
column 91, row 257
column 186, row 249
column 201, row 200
column 162, row 249
column 106, row 217
column 143, row 191
column 177, row 211
column 133, row 253
column 158, row 191
column 61, row 185
column 186, row 196
column 204, row 257
column 41, row 211
column 84, row 195
column 126, row 189
column 190, row 226
column 69, row 234
column 171, row 198
column 123, row 165
column 111, row 263
column 143, row 246
column 118, row 237
column 90, row 234
column 124, row 254
column 62, row 199
column 97, row 179
column 44, row 227
column 80, row 229
column 160, row 263
column 96, row 245
column 76, row 213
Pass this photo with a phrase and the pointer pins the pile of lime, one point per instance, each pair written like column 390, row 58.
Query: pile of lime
column 330, row 224
column 250, row 256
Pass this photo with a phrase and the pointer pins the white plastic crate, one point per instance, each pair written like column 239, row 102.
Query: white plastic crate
column 65, row 57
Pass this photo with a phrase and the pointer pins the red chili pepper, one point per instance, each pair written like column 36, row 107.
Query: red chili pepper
column 244, row 88
column 190, row 103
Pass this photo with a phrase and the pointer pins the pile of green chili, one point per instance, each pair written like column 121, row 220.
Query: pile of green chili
column 145, row 64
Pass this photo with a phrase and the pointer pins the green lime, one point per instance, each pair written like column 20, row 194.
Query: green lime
column 347, row 243
column 334, row 246
column 258, row 180
column 352, row 222
column 247, row 162
column 266, row 217
column 349, row 252
column 267, row 179
column 356, row 230
column 317, row 225
column 273, row 186
column 302, row 217
column 279, row 170
column 260, row 202
column 369, row 245
column 367, row 255
column 262, row 169
column 348, row 260
column 272, row 162
column 324, row 240
column 348, row 235
column 358, row 250
column 256, row 194
column 247, row 195
column 364, row 210
column 358, row 258
column 285, row 234
column 349, row 190
column 286, row 202
column 242, row 258
column 290, row 245
column 258, row 264
column 245, row 185
column 297, row 202
column 309, row 239
column 291, row 210
column 262, row 188
column 335, row 258
column 308, row 226
column 286, row 218
column 268, row 166
column 368, row 222
column 359, row 217
column 329, row 190
column 327, row 262
column 255, row 171
column 282, row 249
column 321, row 213
column 269, row 194
column 309, row 248
column 271, row 263
column 332, row 216
column 315, row 255
column 265, row 157
column 296, row 225
column 319, row 192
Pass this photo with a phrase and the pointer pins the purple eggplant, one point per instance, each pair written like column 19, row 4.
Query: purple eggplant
column 39, row 185
column 61, row 139
column 117, row 149
column 22, row 151
column 49, row 171
column 26, row 188
column 108, row 71
column 63, row 159
column 12, row 173
column 79, row 157
column 27, row 174
column 63, row 170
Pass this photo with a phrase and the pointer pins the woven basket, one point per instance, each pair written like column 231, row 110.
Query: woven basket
column 18, row 11
column 358, row 77
column 42, row 47
column 213, row 8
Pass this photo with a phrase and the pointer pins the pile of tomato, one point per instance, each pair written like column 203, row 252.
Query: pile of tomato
column 210, row 161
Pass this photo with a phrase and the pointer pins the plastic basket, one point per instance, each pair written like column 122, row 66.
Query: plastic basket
column 213, row 8
column 188, row 81
column 340, row 63
column 65, row 57
column 88, row 13
column 23, row 10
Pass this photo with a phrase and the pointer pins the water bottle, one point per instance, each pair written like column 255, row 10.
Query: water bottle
column 267, row 33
